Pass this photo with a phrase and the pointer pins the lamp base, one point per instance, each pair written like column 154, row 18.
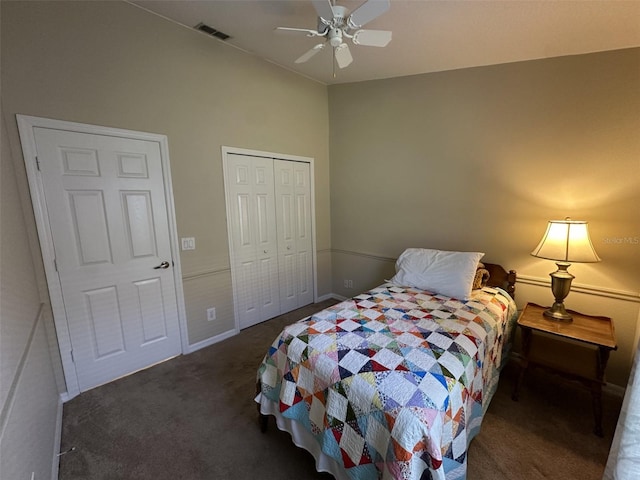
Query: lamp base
column 560, row 287
column 557, row 312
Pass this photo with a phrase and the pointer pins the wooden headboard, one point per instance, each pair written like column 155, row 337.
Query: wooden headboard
column 499, row 277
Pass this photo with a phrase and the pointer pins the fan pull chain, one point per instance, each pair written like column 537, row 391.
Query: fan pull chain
column 333, row 63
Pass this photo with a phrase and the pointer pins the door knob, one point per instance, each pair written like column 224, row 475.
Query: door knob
column 163, row 265
column 288, row 247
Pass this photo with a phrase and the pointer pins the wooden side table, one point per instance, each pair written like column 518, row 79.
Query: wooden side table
column 578, row 350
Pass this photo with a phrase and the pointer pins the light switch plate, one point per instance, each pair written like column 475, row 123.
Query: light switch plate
column 188, row 243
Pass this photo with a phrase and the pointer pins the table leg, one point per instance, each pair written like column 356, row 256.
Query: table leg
column 524, row 362
column 596, row 390
column 263, row 420
column 596, row 399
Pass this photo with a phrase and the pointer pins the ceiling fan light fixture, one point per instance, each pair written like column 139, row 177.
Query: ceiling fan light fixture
column 335, row 37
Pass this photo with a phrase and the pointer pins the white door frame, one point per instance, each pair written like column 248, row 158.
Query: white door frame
column 26, row 124
column 279, row 156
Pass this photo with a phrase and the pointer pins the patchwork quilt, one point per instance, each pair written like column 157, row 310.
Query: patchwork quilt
column 393, row 383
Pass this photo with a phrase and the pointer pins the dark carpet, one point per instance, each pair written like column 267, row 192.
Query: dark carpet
column 194, row 418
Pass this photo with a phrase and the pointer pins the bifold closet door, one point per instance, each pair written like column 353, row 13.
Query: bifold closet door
column 253, row 229
column 293, row 217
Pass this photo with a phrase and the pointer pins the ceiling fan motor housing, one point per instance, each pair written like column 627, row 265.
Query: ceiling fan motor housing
column 339, row 15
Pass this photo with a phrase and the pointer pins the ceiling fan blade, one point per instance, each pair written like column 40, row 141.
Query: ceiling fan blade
column 372, row 38
column 323, row 7
column 343, row 55
column 307, row 31
column 367, row 12
column 310, row 53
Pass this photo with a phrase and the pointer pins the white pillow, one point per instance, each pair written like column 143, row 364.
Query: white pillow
column 438, row 271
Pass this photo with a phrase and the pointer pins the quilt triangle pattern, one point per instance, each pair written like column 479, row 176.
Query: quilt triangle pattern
column 392, row 383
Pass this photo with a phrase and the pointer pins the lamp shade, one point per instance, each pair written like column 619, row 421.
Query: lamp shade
column 566, row 241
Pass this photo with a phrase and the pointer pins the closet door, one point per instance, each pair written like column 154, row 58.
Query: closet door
column 293, row 217
column 252, row 225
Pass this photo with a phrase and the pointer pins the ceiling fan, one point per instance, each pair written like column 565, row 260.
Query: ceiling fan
column 336, row 24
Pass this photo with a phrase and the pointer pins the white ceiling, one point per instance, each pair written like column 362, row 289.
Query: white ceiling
column 428, row 35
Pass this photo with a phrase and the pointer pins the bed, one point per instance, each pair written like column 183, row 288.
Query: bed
column 393, row 383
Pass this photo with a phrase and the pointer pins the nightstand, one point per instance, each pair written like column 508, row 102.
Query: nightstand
column 578, row 350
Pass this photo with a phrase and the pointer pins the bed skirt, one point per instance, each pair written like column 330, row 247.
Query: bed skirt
column 302, row 438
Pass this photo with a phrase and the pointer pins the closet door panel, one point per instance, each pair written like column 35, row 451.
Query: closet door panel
column 248, row 296
column 285, row 221
column 267, row 240
column 304, row 243
column 293, row 218
column 305, row 279
column 253, row 233
column 288, row 287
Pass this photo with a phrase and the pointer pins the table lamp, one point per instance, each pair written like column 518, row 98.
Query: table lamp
column 565, row 241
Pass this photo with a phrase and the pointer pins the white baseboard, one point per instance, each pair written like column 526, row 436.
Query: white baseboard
column 210, row 341
column 330, row 296
column 230, row 333
column 55, row 465
column 614, row 390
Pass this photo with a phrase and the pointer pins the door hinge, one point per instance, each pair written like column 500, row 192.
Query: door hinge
column 55, row 264
column 72, row 359
column 38, row 163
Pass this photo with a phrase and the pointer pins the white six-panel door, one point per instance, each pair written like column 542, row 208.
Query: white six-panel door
column 107, row 212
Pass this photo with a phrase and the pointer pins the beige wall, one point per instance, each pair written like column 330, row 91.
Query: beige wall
column 30, row 405
column 112, row 64
column 479, row 159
